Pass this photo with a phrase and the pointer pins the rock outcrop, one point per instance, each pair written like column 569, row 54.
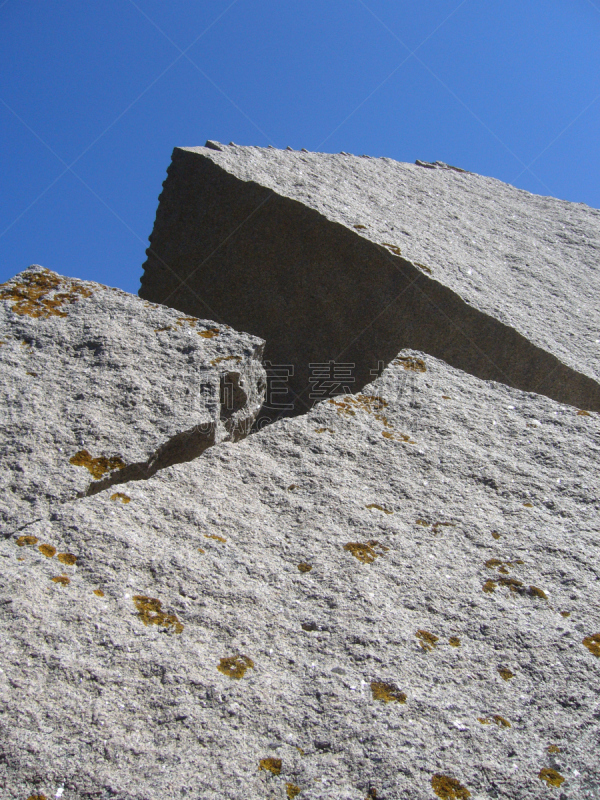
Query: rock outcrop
column 100, row 388
column 347, row 259
column 392, row 596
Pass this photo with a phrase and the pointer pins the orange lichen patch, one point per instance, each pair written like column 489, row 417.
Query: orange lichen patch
column 324, row 430
column 551, row 776
column 23, row 540
column 387, row 692
column 379, row 508
column 124, row 498
column 20, row 559
column 270, row 765
column 449, row 788
column 34, row 374
column 535, row 592
column 393, row 247
column 191, row 321
column 215, row 536
column 454, row 641
column 398, row 437
column 97, row 466
column 220, row 359
column 495, row 534
column 593, row 644
column 98, row 592
column 446, row 397
column 305, row 567
column 411, row 363
column 505, row 673
column 528, row 505
column 67, row 558
column 512, row 583
column 427, row 640
column 360, row 227
column 489, row 586
column 427, row 269
column 209, row 333
column 150, row 614
column 62, row 579
column 365, row 552
column 200, row 550
column 47, row 550
column 437, row 525
column 37, row 797
column 166, row 328
column 235, row 666
column 552, row 748
column 565, row 613
column 503, row 570
column 484, row 720
column 501, row 722
column 582, row 413
column 36, row 295
column 292, row 790
column 492, row 563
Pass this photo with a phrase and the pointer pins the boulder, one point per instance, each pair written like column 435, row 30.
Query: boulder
column 100, row 387
column 337, row 258
column 392, row 596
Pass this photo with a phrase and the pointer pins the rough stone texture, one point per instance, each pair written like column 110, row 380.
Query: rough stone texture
column 451, row 527
column 122, row 387
column 302, row 249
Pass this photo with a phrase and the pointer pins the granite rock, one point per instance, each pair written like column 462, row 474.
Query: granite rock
column 392, row 596
column 350, row 259
column 100, row 387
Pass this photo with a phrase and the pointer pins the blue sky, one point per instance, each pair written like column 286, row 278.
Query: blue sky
column 94, row 96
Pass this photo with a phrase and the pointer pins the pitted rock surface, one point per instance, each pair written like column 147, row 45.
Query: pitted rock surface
column 395, row 595
column 99, row 387
column 337, row 257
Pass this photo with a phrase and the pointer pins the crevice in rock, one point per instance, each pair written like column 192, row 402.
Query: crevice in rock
column 318, row 292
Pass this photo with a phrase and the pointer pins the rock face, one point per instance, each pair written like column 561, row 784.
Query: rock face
column 392, row 596
column 99, row 388
column 347, row 259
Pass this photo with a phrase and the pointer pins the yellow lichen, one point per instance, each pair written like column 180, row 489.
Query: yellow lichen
column 23, row 540
column 324, row 430
column 593, row 644
column 500, row 721
column 67, row 558
column 364, row 552
column 454, row 641
column 484, row 720
column 495, row 534
column 47, row 550
column 411, row 363
column 360, row 227
column 551, row 776
column 304, row 567
column 492, row 563
column 528, row 505
column 582, row 413
column 235, row 666
column 422, row 522
column 553, row 748
column 37, row 797
column 99, row 592
column 36, row 294
column 379, row 508
column 200, row 550
column 427, row 640
column 166, row 328
column 209, row 333
column 535, row 592
column 150, row 614
column 387, row 692
column 270, row 765
column 220, row 359
column 292, row 790
column 565, row 613
column 505, row 673
column 215, row 536
column 449, row 788
column 62, row 579
column 393, row 247
column 191, row 321
column 119, row 496
column 97, row 466
column 489, row 586
column 427, row 269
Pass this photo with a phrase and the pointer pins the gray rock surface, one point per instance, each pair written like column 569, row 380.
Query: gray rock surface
column 99, row 387
column 396, row 595
column 337, row 257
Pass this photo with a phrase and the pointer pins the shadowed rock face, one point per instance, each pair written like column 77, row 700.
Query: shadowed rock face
column 249, row 237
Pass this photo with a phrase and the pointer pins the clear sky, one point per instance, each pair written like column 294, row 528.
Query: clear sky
column 95, row 95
